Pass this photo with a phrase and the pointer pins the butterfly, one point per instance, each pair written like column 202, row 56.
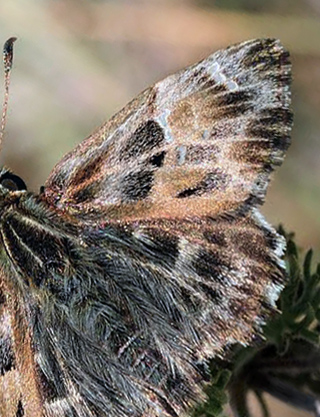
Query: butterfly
column 144, row 255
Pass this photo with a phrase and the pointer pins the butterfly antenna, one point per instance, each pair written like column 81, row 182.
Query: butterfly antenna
column 7, row 62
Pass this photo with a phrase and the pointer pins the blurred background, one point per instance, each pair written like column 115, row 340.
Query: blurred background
column 78, row 61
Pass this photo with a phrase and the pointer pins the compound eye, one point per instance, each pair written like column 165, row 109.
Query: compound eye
column 12, row 182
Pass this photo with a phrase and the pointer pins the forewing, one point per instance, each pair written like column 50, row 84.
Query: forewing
column 200, row 142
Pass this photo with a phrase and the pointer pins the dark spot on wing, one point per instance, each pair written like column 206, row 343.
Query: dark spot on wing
column 252, row 245
column 209, row 265
column 265, row 57
column 212, row 293
column 234, row 98
column 160, row 247
column 276, row 116
column 87, row 192
column 83, row 174
column 158, row 159
column 272, row 124
column 6, row 354
column 213, row 181
column 233, row 104
column 189, row 192
column 278, row 139
column 137, row 185
column 146, row 138
column 271, row 238
column 20, row 410
column 233, row 111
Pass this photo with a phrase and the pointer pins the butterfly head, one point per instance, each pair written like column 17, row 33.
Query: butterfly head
column 10, row 182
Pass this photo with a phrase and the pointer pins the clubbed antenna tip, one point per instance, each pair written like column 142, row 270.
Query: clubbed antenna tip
column 8, row 54
column 7, row 62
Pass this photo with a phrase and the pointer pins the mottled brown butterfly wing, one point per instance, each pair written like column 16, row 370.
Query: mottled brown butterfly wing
column 19, row 390
column 201, row 142
column 9, row 386
column 146, row 254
